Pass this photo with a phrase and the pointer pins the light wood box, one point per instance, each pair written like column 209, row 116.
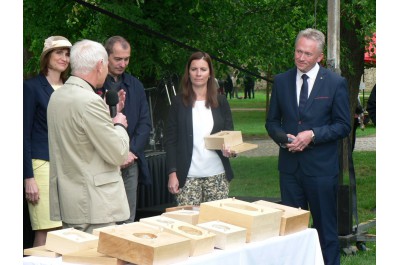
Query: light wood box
column 227, row 235
column 91, row 256
column 40, row 252
column 233, row 139
column 143, row 244
column 69, row 240
column 187, row 216
column 293, row 220
column 201, row 240
column 110, row 228
column 183, row 207
column 261, row 222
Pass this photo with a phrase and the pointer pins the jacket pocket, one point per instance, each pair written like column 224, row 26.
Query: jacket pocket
column 106, row 178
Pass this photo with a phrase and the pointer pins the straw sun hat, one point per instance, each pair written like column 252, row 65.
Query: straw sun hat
column 54, row 42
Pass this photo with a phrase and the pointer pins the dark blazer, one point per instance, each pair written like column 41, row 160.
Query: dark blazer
column 179, row 136
column 137, row 113
column 326, row 112
column 36, row 96
column 371, row 105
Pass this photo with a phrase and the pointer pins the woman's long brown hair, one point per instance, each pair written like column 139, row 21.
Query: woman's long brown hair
column 189, row 97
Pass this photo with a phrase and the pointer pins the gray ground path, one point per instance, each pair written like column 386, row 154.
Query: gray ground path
column 269, row 148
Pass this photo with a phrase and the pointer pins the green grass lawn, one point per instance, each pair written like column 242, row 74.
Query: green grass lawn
column 252, row 122
column 259, row 101
column 370, row 130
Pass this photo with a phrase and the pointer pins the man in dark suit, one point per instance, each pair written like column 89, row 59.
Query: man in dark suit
column 371, row 105
column 315, row 121
column 228, row 87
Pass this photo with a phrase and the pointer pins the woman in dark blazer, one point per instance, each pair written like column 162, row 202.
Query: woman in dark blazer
column 197, row 174
column 54, row 67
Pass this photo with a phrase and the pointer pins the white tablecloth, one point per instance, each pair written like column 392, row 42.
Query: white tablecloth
column 298, row 248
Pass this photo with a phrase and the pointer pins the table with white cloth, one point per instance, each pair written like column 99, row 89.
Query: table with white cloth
column 301, row 248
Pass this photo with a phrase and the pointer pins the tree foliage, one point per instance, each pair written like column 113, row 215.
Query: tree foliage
column 256, row 35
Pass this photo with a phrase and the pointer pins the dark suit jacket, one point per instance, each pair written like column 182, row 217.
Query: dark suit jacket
column 371, row 105
column 36, row 94
column 179, row 136
column 326, row 112
column 137, row 113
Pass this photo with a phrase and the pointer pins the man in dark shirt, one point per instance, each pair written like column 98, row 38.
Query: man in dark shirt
column 135, row 169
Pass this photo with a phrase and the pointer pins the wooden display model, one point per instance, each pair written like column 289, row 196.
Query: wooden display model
column 183, row 207
column 293, row 220
column 40, row 251
column 143, row 244
column 69, row 240
column 233, row 139
column 187, row 216
column 261, row 222
column 227, row 236
column 201, row 240
column 110, row 228
column 91, row 256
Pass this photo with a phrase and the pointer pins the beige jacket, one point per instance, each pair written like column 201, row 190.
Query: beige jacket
column 86, row 150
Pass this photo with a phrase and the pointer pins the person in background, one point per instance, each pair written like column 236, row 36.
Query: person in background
column 371, row 105
column 358, row 121
column 86, row 146
column 252, row 85
column 235, row 84
column 135, row 169
column 248, row 87
column 228, row 87
column 54, row 68
column 315, row 115
column 371, row 109
column 195, row 173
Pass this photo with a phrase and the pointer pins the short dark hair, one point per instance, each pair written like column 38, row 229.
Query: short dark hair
column 109, row 44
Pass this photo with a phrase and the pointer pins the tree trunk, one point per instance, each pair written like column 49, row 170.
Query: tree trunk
column 352, row 73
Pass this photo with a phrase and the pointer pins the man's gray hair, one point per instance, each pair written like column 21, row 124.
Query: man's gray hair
column 315, row 35
column 85, row 54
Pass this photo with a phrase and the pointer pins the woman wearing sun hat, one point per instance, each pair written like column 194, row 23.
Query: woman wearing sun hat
column 54, row 68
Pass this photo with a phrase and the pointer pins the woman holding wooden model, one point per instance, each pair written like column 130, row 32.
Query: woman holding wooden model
column 197, row 174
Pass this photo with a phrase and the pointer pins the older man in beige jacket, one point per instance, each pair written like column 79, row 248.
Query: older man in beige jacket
column 86, row 146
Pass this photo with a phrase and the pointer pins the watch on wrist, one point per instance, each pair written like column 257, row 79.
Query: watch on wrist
column 312, row 136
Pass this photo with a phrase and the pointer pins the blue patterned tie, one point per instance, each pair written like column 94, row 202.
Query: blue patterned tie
column 303, row 92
